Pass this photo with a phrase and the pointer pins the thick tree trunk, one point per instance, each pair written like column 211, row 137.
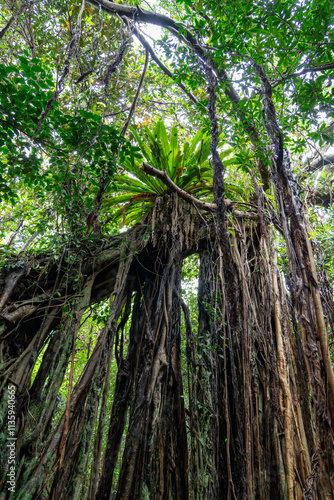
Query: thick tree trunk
column 52, row 461
column 149, row 383
column 252, row 428
column 252, row 368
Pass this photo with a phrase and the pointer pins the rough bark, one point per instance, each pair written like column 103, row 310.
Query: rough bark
column 252, row 367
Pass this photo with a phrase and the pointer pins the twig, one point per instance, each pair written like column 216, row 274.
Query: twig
column 133, row 106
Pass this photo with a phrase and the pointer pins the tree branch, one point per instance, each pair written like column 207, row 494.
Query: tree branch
column 180, row 31
column 164, row 68
column 60, row 84
column 13, row 19
column 145, row 16
column 319, row 163
column 210, row 207
column 315, row 69
column 176, row 28
column 133, row 106
column 162, row 175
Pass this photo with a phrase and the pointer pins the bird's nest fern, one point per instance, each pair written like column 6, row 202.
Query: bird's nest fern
column 188, row 166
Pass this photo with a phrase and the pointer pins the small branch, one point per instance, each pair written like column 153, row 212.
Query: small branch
column 315, row 69
column 13, row 19
column 115, row 63
column 162, row 66
column 30, row 137
column 11, row 241
column 162, row 175
column 84, row 75
column 117, row 112
column 133, row 106
column 210, row 207
column 323, row 67
column 315, row 165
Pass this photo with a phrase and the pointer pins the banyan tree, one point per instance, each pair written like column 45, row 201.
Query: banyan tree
column 238, row 403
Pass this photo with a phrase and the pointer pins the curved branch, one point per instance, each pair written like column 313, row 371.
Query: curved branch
column 145, row 16
column 210, row 207
column 319, row 163
column 315, row 69
column 162, row 175
column 180, row 31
